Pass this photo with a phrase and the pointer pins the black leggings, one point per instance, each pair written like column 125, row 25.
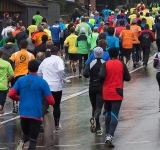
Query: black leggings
column 127, row 54
column 158, row 79
column 112, row 113
column 135, row 52
column 146, row 51
column 80, row 56
column 30, row 129
column 158, row 44
column 95, row 94
column 56, row 108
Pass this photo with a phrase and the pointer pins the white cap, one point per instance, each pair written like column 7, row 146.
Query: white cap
column 98, row 52
column 82, row 30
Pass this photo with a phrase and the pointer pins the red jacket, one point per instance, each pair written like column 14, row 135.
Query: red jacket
column 113, row 73
column 110, row 20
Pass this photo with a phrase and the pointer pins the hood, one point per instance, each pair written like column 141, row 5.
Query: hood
column 8, row 46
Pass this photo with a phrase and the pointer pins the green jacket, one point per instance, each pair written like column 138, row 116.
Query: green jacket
column 38, row 19
column 82, row 42
column 94, row 37
column 3, row 42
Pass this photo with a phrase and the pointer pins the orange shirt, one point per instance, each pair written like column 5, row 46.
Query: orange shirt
column 15, row 32
column 127, row 38
column 136, row 29
column 21, row 60
column 38, row 37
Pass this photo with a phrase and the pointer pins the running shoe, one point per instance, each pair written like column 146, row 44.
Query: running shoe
column 80, row 76
column 20, row 145
column 57, row 128
column 14, row 111
column 109, row 141
column 159, row 109
column 99, row 131
column 93, row 125
column 41, row 129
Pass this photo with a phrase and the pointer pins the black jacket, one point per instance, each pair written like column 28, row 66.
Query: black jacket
column 21, row 36
column 41, row 47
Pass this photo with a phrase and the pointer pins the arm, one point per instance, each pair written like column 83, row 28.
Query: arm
column 91, row 57
column 76, row 43
column 117, row 43
column 126, row 76
column 10, row 72
column 153, row 37
column 86, row 71
column 40, row 72
column 102, row 72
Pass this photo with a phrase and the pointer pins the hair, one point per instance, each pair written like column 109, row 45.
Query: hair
column 56, row 50
column 146, row 26
column 138, row 15
column 49, row 44
column 37, row 12
column 44, row 38
column 121, row 22
column 1, row 53
column 22, row 28
column 13, row 23
column 87, row 19
column 102, row 43
column 102, row 36
column 45, row 26
column 95, row 29
column 23, row 44
column 8, row 23
column 33, row 65
column 56, row 22
column 44, row 20
column 11, row 39
column 9, row 32
column 102, row 23
column 128, row 26
column 83, row 19
column 113, row 52
column 40, row 28
column 40, row 56
column 72, row 29
column 144, row 20
column 147, row 14
column 110, row 31
column 141, row 13
column 105, row 28
column 33, row 22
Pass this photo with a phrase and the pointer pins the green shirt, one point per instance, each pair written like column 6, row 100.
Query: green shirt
column 85, row 26
column 38, row 19
column 93, row 40
column 92, row 21
column 5, row 69
column 3, row 42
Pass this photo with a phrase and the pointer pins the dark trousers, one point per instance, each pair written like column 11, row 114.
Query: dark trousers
column 121, row 50
column 3, row 95
column 158, row 79
column 80, row 56
column 158, row 44
column 56, row 108
column 127, row 54
column 135, row 52
column 30, row 129
column 112, row 113
column 95, row 94
column 146, row 51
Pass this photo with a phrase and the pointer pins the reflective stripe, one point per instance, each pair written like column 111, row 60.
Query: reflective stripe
column 114, row 116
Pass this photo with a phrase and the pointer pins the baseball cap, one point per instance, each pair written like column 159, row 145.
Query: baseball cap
column 98, row 52
column 112, row 12
column 54, row 49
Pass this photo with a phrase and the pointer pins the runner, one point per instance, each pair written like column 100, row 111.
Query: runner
column 32, row 28
column 91, row 71
column 38, row 18
column 31, row 89
column 52, row 70
column 112, row 91
column 146, row 37
column 72, row 49
column 6, row 74
column 82, row 42
column 5, row 30
column 19, row 61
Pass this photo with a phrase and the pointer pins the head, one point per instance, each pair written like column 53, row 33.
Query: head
column 121, row 22
column 24, row 44
column 122, row 15
column 83, row 20
column 45, row 26
column 9, row 33
column 144, row 20
column 13, row 23
column 102, row 36
column 56, row 22
column 33, row 65
column 60, row 20
column 105, row 28
column 11, row 39
column 8, row 23
column 6, row 15
column 77, row 19
column 72, row 30
column 40, row 28
column 22, row 29
column 49, row 44
column 112, row 12
column 102, row 43
column 141, row 13
column 82, row 30
column 116, row 10
column 44, row 20
column 33, row 22
column 95, row 29
column 87, row 19
column 1, row 53
column 37, row 12
column 110, row 31
column 147, row 14
column 98, row 52
column 54, row 50
column 40, row 56
column 134, row 21
column 76, row 10
column 127, row 27
column 113, row 52
column 44, row 38
column 138, row 15
column 18, row 28
column 102, row 24
column 92, row 16
column 146, row 26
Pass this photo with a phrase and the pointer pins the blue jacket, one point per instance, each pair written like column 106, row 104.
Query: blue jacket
column 105, row 56
column 112, row 41
column 156, row 27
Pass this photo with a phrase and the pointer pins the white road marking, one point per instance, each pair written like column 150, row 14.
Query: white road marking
column 138, row 142
column 36, row 147
column 6, row 114
column 74, row 95
column 68, row 145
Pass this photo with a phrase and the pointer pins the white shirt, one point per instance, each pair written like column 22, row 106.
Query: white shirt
column 52, row 70
column 5, row 30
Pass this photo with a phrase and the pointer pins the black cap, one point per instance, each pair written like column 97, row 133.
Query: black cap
column 54, row 49
column 33, row 65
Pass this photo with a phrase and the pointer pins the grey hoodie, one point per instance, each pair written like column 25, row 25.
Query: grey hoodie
column 8, row 50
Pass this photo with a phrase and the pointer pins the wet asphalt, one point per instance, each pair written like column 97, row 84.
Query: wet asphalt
column 139, row 121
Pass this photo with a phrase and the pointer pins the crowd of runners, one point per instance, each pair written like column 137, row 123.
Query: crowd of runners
column 33, row 59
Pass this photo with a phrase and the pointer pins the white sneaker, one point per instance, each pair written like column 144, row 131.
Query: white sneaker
column 20, row 145
column 58, row 128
